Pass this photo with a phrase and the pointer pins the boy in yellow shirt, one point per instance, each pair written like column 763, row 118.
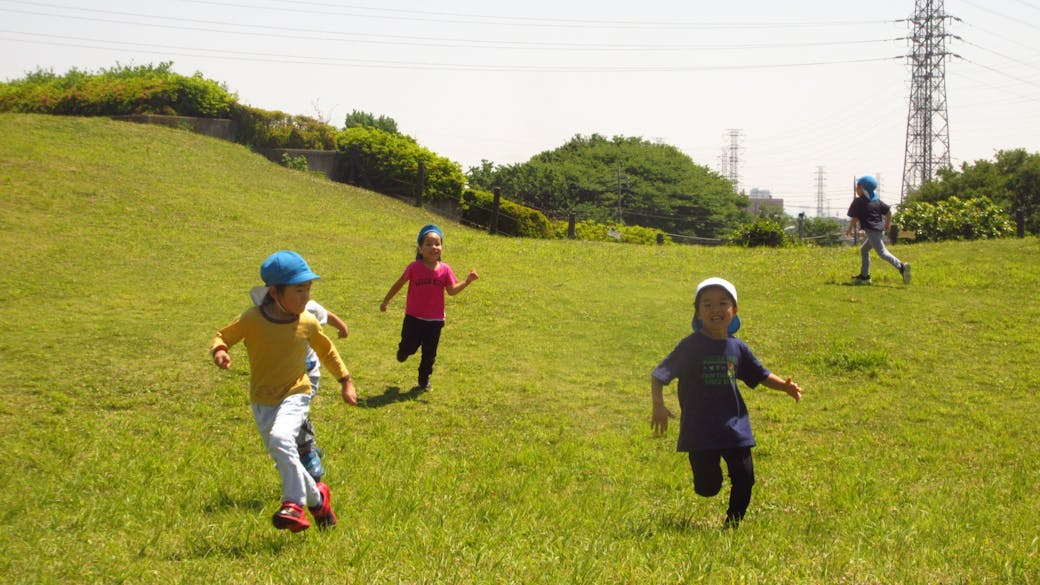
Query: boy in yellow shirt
column 277, row 334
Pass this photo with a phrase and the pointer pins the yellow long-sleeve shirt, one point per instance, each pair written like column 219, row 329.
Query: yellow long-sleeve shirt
column 277, row 353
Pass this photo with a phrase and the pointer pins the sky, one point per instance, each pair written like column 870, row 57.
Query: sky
column 803, row 96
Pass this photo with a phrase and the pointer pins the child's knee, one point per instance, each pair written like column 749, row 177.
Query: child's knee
column 707, row 488
column 282, row 442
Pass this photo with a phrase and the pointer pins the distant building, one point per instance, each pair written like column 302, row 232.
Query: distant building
column 762, row 201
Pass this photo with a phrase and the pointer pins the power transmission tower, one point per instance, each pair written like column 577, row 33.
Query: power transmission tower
column 819, row 192
column 927, row 122
column 733, row 166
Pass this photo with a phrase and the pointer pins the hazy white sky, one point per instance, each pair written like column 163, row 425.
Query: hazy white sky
column 815, row 88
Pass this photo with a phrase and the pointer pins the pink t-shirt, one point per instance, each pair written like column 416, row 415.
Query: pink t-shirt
column 426, row 290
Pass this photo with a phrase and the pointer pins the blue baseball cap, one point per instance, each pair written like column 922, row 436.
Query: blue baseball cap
column 286, row 267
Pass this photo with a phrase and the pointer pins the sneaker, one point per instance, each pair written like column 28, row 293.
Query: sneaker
column 324, row 517
column 904, row 269
column 290, row 517
column 311, row 461
column 860, row 279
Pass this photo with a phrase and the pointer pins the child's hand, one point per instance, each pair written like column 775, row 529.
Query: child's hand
column 382, row 307
column 343, row 333
column 472, row 276
column 347, row 391
column 792, row 389
column 222, row 359
column 659, row 420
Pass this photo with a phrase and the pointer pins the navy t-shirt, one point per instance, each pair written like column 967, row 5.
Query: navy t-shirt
column 714, row 415
column 870, row 213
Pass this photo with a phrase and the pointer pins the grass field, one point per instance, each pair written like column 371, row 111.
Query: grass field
column 129, row 458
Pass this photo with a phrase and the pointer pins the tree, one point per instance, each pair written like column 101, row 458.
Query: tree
column 1011, row 180
column 625, row 180
column 359, row 119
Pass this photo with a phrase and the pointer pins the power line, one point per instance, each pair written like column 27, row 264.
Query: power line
column 485, row 19
column 89, row 43
column 307, row 34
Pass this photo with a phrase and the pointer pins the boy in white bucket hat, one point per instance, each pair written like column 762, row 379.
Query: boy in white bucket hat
column 714, row 425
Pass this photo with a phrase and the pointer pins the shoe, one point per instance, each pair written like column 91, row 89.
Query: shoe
column 290, row 517
column 424, row 384
column 311, row 461
column 904, row 269
column 860, row 279
column 324, row 517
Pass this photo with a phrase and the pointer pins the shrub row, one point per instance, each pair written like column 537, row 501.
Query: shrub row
column 120, row 91
column 513, row 219
column 954, row 219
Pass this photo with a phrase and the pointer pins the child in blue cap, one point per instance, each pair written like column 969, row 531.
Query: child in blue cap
column 306, row 443
column 428, row 279
column 875, row 217
column 714, row 425
column 277, row 334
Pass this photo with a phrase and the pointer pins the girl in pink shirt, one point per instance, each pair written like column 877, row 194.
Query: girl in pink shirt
column 428, row 279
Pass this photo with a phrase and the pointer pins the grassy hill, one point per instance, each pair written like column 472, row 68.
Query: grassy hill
column 128, row 457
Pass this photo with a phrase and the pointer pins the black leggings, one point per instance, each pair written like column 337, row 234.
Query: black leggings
column 707, row 477
column 416, row 333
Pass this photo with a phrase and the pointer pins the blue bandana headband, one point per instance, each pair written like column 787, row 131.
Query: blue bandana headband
column 869, row 185
column 426, row 230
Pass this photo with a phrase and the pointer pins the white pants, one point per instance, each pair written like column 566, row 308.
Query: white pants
column 278, row 426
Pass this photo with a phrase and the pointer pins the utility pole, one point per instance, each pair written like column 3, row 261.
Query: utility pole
column 819, row 192
column 620, row 218
column 927, row 121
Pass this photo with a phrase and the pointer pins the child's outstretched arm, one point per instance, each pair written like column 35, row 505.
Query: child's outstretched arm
column 347, row 391
column 225, row 338
column 777, row 383
column 661, row 414
column 458, row 286
column 221, row 358
column 394, row 289
column 338, row 323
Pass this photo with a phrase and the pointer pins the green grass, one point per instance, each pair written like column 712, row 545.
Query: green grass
column 128, row 457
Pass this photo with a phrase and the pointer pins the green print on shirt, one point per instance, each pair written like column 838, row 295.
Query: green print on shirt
column 718, row 370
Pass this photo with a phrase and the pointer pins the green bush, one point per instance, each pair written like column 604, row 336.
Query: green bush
column 298, row 163
column 389, row 163
column 954, row 219
column 761, row 232
column 611, row 232
column 258, row 128
column 120, row 91
column 513, row 219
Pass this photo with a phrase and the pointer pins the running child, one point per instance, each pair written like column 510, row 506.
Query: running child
column 277, row 334
column 875, row 217
column 714, row 425
column 428, row 279
column 306, row 443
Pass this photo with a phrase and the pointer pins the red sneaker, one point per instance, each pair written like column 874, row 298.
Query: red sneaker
column 324, row 517
column 290, row 516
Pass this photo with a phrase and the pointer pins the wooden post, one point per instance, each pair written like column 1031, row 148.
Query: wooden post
column 421, row 184
column 570, row 226
column 493, row 229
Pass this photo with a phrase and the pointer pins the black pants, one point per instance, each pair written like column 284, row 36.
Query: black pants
column 416, row 333
column 707, row 477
